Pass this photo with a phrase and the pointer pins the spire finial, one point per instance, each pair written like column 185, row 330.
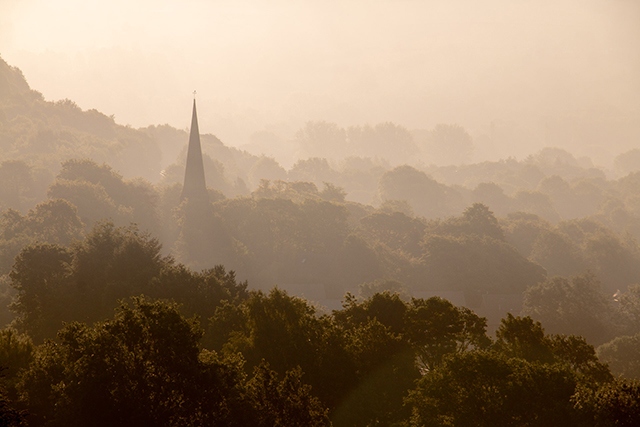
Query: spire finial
column 194, row 95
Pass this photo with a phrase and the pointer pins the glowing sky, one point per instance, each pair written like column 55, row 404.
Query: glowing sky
column 272, row 65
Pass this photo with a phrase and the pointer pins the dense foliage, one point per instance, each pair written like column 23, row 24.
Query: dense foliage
column 126, row 308
column 274, row 360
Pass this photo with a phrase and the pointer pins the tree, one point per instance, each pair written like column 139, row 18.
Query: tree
column 482, row 221
column 214, row 171
column 386, row 307
column 55, row 221
column 167, row 207
column 573, row 306
column 392, row 341
column 113, row 263
column 198, row 293
column 284, row 403
column 614, row 403
column 296, row 191
column 395, row 230
column 627, row 162
column 16, row 353
column 82, row 283
column 360, row 176
column 486, row 389
column 436, row 328
column 101, row 193
column 266, row 168
column 92, row 200
column 15, row 181
column 522, row 229
column 558, row 254
column 89, row 171
column 522, row 338
column 285, row 332
column 426, row 196
column 396, row 206
column 536, row 203
column 14, row 232
column 41, row 277
column 369, row 289
column 357, row 262
column 493, row 196
column 52, row 221
column 550, row 156
column 385, row 370
column 142, row 199
column 333, row 193
column 622, row 354
column 616, row 261
column 279, row 239
column 202, row 241
column 588, row 196
column 314, row 169
column 477, row 219
column 387, row 141
column 561, row 194
column 475, row 263
column 321, row 139
column 526, row 378
column 449, row 145
column 628, row 309
column 575, row 353
column 9, row 415
column 141, row 368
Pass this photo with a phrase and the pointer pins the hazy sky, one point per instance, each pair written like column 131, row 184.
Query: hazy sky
column 272, row 65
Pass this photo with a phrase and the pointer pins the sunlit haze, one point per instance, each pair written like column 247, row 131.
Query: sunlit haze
column 520, row 67
column 319, row 213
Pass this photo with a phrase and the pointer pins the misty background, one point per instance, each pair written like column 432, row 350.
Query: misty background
column 518, row 76
column 389, row 185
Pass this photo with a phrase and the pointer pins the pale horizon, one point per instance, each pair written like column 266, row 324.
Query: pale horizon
column 523, row 68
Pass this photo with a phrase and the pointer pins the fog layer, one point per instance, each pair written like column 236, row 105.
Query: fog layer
column 517, row 75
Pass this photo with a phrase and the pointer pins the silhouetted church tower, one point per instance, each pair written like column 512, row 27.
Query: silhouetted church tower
column 195, row 187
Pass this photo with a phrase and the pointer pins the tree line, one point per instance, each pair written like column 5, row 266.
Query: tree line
column 201, row 348
column 79, row 240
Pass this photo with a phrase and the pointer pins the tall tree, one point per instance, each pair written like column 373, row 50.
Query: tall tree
column 571, row 306
column 141, row 368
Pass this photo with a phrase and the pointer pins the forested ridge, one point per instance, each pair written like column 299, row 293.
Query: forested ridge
column 355, row 292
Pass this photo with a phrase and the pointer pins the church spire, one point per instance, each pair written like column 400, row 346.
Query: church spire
column 194, row 186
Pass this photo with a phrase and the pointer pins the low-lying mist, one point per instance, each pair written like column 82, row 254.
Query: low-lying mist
column 517, row 76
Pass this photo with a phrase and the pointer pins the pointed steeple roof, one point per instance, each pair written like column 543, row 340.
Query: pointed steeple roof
column 194, row 186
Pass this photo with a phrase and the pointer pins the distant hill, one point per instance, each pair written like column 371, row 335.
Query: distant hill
column 43, row 134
